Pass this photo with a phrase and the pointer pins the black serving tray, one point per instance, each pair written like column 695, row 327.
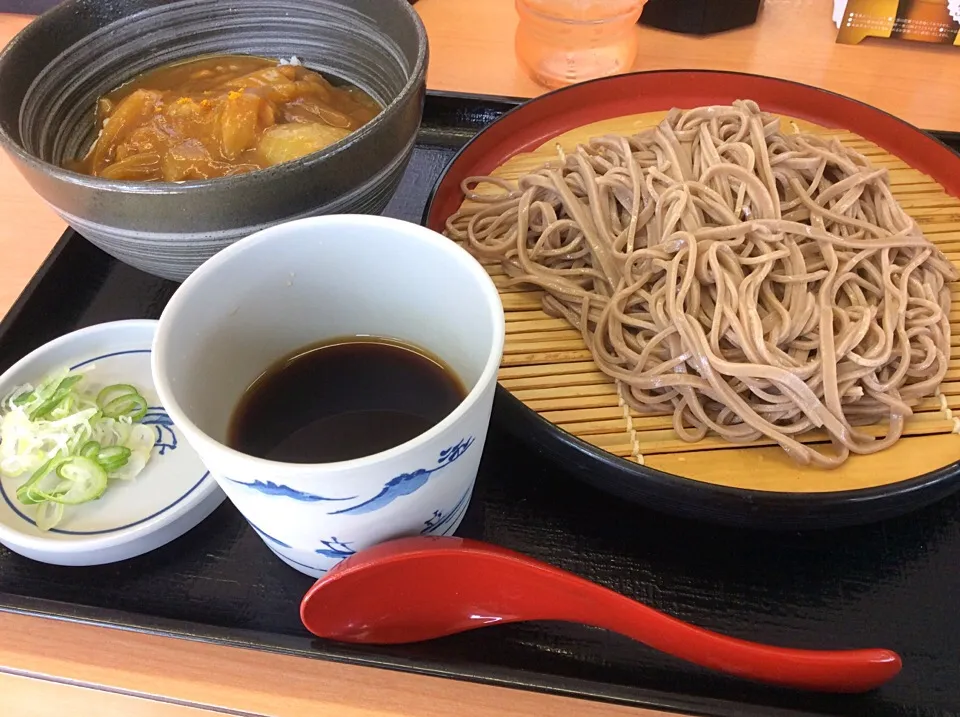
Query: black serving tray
column 892, row 584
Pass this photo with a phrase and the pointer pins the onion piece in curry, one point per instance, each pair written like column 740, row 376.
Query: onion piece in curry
column 218, row 116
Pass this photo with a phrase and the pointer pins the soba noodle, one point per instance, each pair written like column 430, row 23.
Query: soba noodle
column 752, row 282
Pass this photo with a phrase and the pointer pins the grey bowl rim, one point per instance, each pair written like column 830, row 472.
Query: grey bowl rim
column 417, row 77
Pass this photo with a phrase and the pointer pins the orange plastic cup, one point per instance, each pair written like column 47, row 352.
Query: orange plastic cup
column 561, row 42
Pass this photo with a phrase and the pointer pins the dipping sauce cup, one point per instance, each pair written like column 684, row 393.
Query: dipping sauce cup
column 300, row 283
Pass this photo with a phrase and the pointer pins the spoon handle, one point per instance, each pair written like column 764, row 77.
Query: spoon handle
column 818, row 670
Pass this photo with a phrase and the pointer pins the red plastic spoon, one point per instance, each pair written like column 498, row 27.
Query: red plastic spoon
column 415, row 589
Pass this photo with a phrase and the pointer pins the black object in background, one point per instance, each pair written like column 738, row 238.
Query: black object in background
column 700, row 17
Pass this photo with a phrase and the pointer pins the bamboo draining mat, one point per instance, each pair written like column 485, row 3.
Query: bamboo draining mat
column 547, row 366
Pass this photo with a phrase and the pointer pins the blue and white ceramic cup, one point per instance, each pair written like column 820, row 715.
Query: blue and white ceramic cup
column 302, row 282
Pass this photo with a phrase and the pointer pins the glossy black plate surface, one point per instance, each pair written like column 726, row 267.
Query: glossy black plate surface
column 893, row 584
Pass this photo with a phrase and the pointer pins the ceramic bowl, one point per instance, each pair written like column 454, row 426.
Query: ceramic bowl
column 52, row 73
column 171, row 495
column 298, row 284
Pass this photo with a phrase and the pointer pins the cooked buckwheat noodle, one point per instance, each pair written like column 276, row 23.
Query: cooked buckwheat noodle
column 753, row 282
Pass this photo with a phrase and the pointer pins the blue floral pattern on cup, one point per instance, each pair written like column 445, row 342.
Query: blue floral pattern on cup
column 403, row 484
column 407, row 483
column 334, row 548
column 271, row 488
column 267, row 536
column 441, row 523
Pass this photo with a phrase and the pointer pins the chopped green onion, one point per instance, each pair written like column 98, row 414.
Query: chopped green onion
column 49, row 514
column 133, row 407
column 117, row 390
column 113, row 458
column 70, row 442
column 59, row 395
column 87, row 481
column 23, row 398
column 29, row 492
column 70, row 381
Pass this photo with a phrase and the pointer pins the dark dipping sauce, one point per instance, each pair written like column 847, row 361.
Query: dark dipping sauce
column 343, row 399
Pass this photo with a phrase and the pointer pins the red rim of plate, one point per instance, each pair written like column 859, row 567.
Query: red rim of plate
column 537, row 121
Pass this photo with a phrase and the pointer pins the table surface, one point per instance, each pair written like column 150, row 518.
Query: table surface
column 107, row 672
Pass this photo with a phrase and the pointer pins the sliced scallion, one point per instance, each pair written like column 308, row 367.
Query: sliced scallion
column 113, row 458
column 70, row 442
column 90, row 449
column 83, row 480
column 30, row 493
column 132, row 406
column 49, row 405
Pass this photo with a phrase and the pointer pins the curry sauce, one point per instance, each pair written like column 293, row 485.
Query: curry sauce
column 218, row 116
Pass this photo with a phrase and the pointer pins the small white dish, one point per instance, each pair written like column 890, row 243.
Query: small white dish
column 169, row 497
